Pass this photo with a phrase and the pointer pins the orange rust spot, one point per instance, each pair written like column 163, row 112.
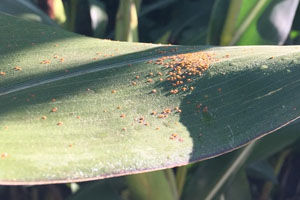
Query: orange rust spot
column 78, row 117
column 119, row 107
column 149, row 80
column 17, row 68
column 124, row 129
column 153, row 91
column 2, row 73
column 151, row 74
column 133, row 83
column 192, row 88
column 167, row 111
column 61, row 60
column 43, row 117
column 45, row 62
column 161, row 116
column 113, row 91
column 184, row 89
column 59, row 123
column 54, row 109
column 4, row 155
column 272, row 57
column 70, row 145
column 161, row 79
column 174, row 91
column 122, row 116
column 173, row 136
column 153, row 113
column 137, row 77
column 147, row 124
column 55, row 56
column 159, row 73
column 177, row 109
column 157, row 128
column 180, row 140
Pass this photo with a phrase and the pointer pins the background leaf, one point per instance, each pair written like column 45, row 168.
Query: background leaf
column 253, row 22
column 152, row 185
column 127, row 21
column 25, row 9
column 99, row 18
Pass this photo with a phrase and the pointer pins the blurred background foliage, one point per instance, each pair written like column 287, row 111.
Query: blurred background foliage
column 265, row 169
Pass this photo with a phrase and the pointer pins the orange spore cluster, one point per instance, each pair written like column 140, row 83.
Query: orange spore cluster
column 45, row 62
column 59, row 123
column 184, row 67
column 166, row 112
column 4, row 155
column 17, row 68
column 43, row 117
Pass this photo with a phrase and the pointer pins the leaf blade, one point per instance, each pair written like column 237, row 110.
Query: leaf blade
column 84, row 139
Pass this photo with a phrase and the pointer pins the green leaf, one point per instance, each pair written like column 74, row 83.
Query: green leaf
column 78, row 16
column 127, row 21
column 104, row 189
column 239, row 189
column 252, row 22
column 59, row 12
column 99, row 18
column 148, row 186
column 262, row 170
column 25, row 9
column 208, row 173
column 273, row 143
column 155, row 6
column 189, row 22
column 83, row 134
column 212, row 176
column 217, row 20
